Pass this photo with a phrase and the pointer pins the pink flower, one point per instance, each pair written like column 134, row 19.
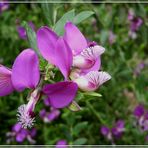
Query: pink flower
column 24, row 73
column 86, row 55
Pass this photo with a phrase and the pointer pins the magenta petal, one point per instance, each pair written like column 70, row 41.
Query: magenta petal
column 25, row 70
column 60, row 94
column 20, row 137
column 74, row 38
column 95, row 67
column 46, row 40
column 6, row 86
column 63, row 55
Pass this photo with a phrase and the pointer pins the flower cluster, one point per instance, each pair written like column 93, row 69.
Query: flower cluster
column 77, row 59
column 135, row 23
column 20, row 134
column 48, row 116
column 113, row 133
column 141, row 115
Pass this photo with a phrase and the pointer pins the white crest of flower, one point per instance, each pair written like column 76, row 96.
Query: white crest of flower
column 98, row 78
column 24, row 118
column 93, row 52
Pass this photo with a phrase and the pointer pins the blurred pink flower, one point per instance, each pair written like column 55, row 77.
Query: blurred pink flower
column 112, row 38
column 4, row 5
column 19, row 134
column 62, row 144
column 135, row 23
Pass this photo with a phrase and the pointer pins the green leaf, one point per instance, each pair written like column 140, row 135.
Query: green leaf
column 74, row 107
column 82, row 16
column 95, row 94
column 59, row 26
column 79, row 96
column 80, row 141
column 142, row 11
column 48, row 11
column 31, row 36
column 103, row 36
column 43, row 64
column 79, row 127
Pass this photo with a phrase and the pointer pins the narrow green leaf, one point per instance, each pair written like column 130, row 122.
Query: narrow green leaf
column 103, row 36
column 31, row 36
column 48, row 11
column 74, row 107
column 59, row 26
column 80, row 141
column 95, row 94
column 142, row 10
column 82, row 16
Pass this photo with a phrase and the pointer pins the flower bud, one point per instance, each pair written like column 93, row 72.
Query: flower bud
column 75, row 73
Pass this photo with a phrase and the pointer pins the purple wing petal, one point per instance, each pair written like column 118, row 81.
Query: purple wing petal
column 139, row 111
column 60, row 94
column 74, row 38
column 120, row 124
column 33, row 132
column 105, row 130
column 20, row 137
column 46, row 40
column 17, row 127
column 42, row 113
column 63, row 56
column 22, row 32
column 25, row 70
column 6, row 86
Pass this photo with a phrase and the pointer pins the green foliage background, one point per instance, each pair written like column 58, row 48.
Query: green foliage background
column 119, row 96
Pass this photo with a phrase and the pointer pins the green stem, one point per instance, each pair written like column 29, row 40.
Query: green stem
column 95, row 112
column 71, row 131
column 21, row 98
